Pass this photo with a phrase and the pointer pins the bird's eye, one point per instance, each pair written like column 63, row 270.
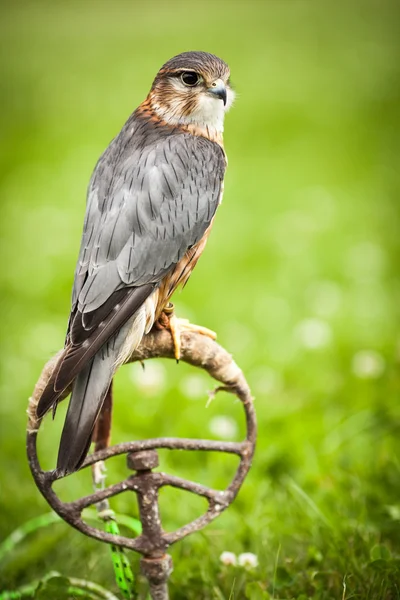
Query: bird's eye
column 190, row 79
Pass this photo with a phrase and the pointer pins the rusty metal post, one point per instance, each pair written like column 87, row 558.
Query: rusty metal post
column 142, row 457
column 157, row 566
column 157, row 572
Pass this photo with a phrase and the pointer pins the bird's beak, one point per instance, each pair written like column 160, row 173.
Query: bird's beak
column 218, row 89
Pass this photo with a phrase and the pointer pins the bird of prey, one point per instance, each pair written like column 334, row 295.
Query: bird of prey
column 151, row 204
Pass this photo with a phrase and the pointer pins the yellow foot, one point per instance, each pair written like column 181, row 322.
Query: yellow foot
column 178, row 325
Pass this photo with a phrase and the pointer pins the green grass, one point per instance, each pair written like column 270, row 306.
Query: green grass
column 300, row 279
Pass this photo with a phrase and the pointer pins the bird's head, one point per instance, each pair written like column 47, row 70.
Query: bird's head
column 193, row 88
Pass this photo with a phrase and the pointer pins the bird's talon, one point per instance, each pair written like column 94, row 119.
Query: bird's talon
column 176, row 327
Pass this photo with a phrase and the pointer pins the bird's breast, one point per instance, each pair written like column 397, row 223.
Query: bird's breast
column 180, row 274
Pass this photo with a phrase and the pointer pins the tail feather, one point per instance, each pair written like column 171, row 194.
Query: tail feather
column 88, row 394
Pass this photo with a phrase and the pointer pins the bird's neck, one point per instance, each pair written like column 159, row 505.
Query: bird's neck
column 207, row 131
column 202, row 125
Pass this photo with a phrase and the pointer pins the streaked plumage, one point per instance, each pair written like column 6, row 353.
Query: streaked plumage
column 151, row 202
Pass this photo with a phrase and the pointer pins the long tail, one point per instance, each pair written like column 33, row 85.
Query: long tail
column 88, row 394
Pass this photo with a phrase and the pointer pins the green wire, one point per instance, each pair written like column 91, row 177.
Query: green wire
column 122, row 569
column 130, row 522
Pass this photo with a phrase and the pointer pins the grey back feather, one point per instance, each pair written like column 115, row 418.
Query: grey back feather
column 152, row 196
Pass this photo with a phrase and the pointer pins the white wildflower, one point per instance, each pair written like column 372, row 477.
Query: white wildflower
column 368, row 364
column 223, row 427
column 313, row 333
column 228, row 559
column 248, row 560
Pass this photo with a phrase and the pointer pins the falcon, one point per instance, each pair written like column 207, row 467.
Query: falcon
column 150, row 207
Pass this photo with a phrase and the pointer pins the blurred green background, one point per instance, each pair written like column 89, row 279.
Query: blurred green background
column 300, row 279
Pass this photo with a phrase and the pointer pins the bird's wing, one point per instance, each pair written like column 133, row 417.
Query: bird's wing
column 152, row 197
